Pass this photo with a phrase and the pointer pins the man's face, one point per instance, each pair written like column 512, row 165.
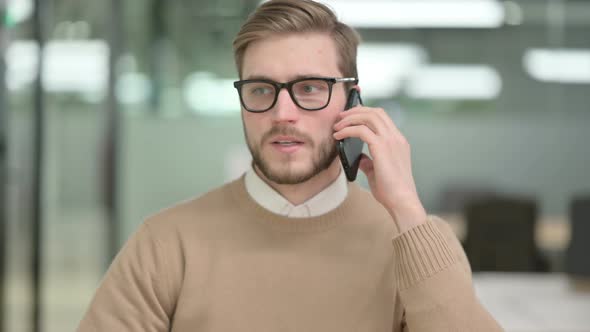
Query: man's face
column 290, row 145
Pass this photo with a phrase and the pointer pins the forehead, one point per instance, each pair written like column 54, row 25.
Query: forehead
column 287, row 56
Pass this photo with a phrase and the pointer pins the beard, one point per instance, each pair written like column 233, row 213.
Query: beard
column 282, row 172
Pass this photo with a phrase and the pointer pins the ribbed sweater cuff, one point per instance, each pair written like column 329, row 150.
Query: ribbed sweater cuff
column 420, row 253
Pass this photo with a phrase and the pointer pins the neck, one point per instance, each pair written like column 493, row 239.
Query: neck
column 298, row 193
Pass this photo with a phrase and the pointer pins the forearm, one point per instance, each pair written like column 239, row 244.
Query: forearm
column 408, row 215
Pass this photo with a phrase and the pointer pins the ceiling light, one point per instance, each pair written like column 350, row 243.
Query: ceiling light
column 18, row 11
column 419, row 13
column 459, row 82
column 558, row 65
column 383, row 67
column 205, row 93
column 69, row 66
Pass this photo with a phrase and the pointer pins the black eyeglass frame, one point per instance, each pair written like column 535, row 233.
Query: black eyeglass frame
column 289, row 86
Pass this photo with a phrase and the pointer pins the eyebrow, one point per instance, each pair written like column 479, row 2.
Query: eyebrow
column 264, row 77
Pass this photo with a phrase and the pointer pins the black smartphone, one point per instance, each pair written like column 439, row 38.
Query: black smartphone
column 351, row 148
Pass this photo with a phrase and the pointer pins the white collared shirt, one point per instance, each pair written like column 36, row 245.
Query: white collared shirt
column 325, row 201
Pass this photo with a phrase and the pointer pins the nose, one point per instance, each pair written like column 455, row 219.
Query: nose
column 285, row 110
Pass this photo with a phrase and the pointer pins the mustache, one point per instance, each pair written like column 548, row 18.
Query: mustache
column 286, row 131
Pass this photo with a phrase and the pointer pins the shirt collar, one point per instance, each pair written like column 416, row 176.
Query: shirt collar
column 323, row 202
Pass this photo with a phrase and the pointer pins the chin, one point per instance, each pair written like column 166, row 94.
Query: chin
column 288, row 174
column 294, row 168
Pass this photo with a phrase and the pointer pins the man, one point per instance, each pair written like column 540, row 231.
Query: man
column 291, row 245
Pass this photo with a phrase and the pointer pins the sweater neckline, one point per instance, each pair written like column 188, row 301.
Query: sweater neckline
column 322, row 202
column 319, row 223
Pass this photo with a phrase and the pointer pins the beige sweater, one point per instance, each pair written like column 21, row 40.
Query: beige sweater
column 223, row 263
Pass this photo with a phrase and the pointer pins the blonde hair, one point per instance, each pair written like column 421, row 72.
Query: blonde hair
column 298, row 16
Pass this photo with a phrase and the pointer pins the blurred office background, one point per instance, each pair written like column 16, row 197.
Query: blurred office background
column 129, row 107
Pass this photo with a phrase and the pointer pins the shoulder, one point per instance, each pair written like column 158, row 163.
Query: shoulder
column 369, row 212
column 364, row 198
column 194, row 215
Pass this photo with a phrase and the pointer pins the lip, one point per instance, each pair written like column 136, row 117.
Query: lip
column 286, row 138
column 286, row 148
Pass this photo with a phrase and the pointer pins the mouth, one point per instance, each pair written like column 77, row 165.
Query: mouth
column 286, row 144
column 286, row 141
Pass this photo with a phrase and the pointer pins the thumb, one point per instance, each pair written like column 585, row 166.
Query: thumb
column 366, row 165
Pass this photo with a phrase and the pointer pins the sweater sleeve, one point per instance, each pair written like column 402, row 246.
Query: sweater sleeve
column 434, row 281
column 133, row 295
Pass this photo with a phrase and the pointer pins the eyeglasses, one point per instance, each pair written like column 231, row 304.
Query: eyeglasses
column 310, row 93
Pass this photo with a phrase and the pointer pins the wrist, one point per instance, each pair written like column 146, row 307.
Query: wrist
column 408, row 215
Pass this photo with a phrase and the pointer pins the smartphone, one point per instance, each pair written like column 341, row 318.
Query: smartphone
column 351, row 148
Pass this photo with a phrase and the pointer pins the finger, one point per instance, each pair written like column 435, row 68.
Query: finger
column 366, row 165
column 387, row 119
column 362, row 132
column 353, row 110
column 373, row 121
column 358, row 109
column 380, row 112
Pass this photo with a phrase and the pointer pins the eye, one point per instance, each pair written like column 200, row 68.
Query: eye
column 260, row 91
column 310, row 88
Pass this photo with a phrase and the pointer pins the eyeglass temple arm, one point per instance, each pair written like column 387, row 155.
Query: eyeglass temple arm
column 348, row 79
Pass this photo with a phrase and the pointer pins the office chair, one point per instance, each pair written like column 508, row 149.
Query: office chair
column 577, row 260
column 501, row 235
